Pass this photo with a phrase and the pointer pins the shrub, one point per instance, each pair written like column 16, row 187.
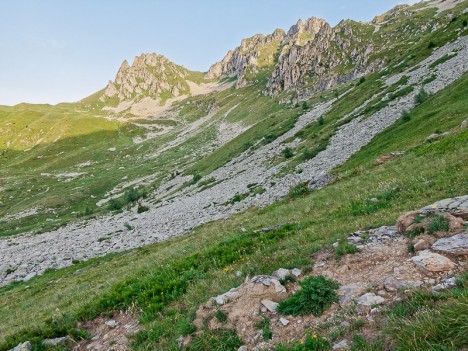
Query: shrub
column 128, row 226
column 131, row 195
column 114, row 205
column 269, row 138
column 344, row 248
column 431, row 45
column 321, row 121
column 287, row 153
column 317, row 294
column 438, row 223
column 405, row 116
column 465, row 23
column 421, row 97
column 142, row 208
column 221, row 316
column 299, row 190
column 305, row 105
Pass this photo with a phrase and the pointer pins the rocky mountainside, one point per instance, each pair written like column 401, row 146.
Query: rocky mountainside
column 261, row 52
column 150, row 75
column 314, row 56
column 117, row 219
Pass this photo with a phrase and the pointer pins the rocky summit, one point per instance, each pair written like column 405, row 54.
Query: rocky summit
column 150, row 75
column 306, row 192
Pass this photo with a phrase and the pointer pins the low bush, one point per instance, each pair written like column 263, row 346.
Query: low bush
column 299, row 190
column 317, row 294
column 287, row 152
column 438, row 223
column 421, row 97
column 344, row 248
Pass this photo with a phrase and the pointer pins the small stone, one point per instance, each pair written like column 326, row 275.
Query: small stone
column 374, row 199
column 111, row 323
column 284, row 321
column 29, row 276
column 370, row 299
column 296, row 272
column 242, row 348
column 335, row 245
column 226, row 297
column 270, row 305
column 421, row 245
column 342, row 345
column 392, row 284
column 238, row 274
column 445, row 284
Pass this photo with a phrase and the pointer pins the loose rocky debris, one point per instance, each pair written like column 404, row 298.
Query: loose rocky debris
column 371, row 279
column 109, row 333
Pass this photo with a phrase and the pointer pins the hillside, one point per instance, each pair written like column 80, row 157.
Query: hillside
column 141, row 202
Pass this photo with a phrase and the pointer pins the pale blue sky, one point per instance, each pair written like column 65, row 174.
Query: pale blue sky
column 64, row 50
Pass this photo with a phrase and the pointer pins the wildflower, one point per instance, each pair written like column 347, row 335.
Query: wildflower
column 314, row 336
column 301, row 341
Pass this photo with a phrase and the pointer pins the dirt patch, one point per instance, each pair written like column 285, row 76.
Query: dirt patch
column 109, row 333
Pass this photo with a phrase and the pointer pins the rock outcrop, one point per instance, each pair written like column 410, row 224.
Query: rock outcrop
column 245, row 61
column 150, row 75
column 333, row 56
column 262, row 51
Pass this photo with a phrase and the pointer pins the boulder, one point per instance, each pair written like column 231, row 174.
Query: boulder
column 430, row 262
column 23, row 346
column 406, row 220
column 454, row 245
column 281, row 273
column 270, row 305
column 423, row 242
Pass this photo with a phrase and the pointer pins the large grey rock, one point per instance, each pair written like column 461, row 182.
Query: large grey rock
column 454, row 245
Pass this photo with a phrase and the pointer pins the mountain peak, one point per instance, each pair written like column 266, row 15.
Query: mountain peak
column 150, row 75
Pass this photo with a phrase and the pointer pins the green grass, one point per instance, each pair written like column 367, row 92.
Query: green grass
column 426, row 321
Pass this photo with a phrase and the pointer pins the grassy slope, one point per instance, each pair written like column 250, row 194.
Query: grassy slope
column 319, row 219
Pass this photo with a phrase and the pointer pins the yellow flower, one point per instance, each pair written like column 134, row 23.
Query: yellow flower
column 314, row 336
column 301, row 341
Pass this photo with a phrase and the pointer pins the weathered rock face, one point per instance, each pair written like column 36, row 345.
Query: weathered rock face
column 260, row 52
column 333, row 56
column 244, row 62
column 149, row 75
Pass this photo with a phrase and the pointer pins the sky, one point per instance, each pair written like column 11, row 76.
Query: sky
column 64, row 50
